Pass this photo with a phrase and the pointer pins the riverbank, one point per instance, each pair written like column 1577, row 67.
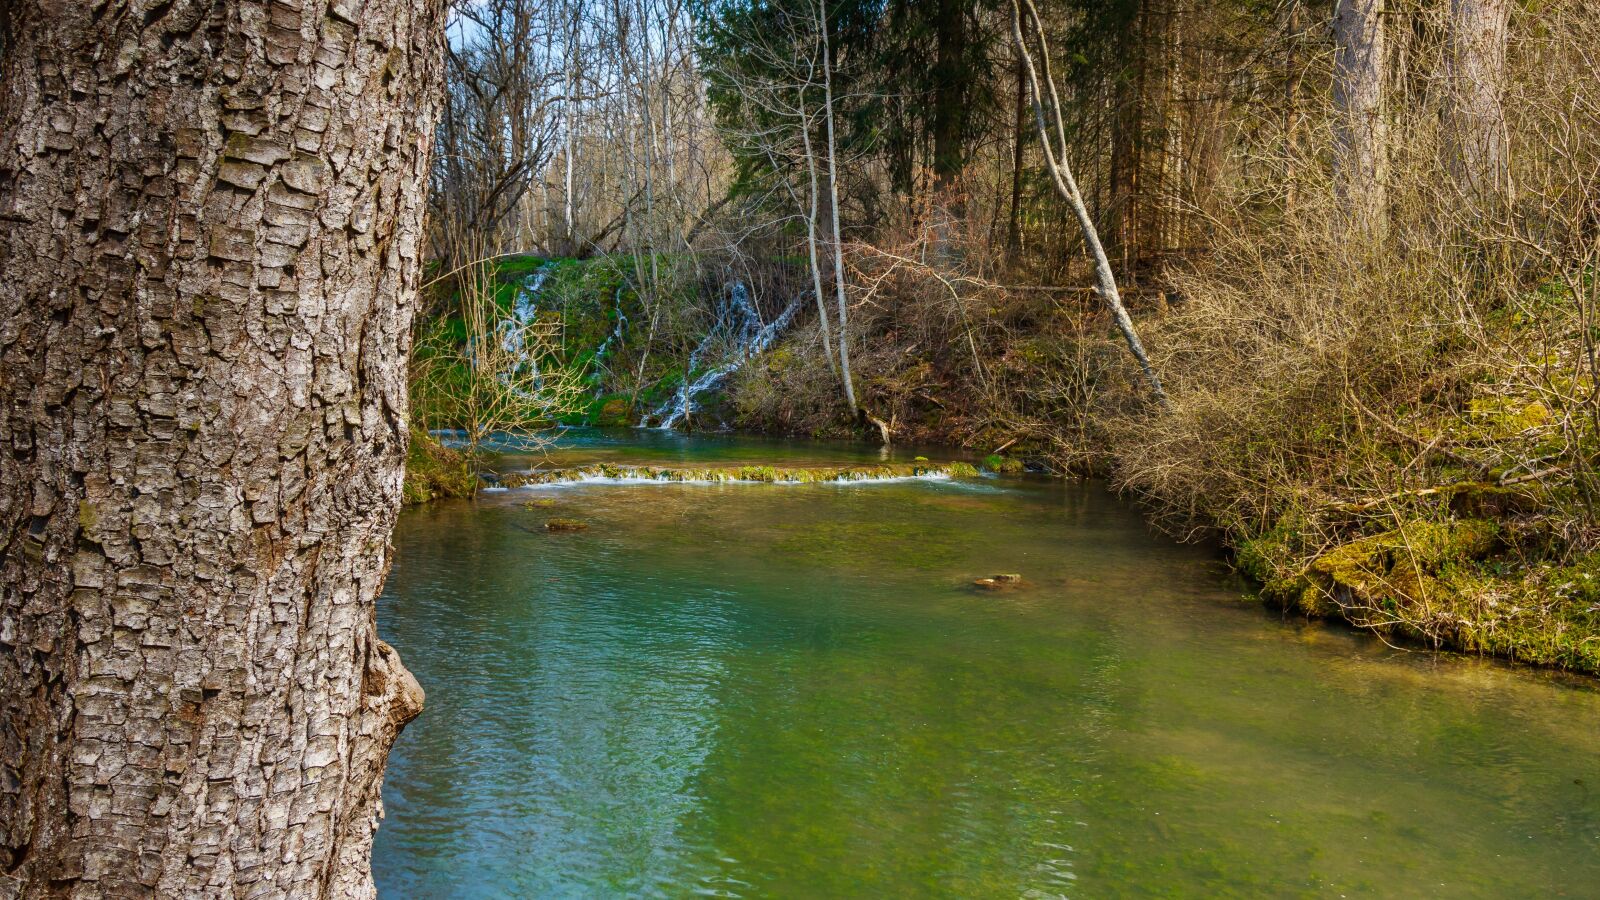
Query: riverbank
column 1418, row 475
column 1450, row 583
column 1340, row 514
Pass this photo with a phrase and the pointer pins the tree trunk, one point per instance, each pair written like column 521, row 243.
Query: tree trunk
column 212, row 216
column 1129, row 133
column 950, row 82
column 1055, row 154
column 833, row 209
column 1477, row 127
column 1292, row 78
column 1360, row 128
column 813, row 196
column 1018, row 136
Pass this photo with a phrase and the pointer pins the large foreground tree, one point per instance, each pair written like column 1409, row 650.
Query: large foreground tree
column 210, row 215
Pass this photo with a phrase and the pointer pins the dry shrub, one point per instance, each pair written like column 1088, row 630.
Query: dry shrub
column 1329, row 381
column 925, row 332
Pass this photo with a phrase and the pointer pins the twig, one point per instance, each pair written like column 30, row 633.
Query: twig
column 1428, row 447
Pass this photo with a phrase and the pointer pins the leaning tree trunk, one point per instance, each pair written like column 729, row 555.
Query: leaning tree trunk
column 1359, row 69
column 1055, row 155
column 210, row 213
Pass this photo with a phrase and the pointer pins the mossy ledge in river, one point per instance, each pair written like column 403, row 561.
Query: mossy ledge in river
column 736, row 474
column 1449, row 585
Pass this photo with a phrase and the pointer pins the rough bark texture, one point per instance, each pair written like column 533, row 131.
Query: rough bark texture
column 1477, row 83
column 210, row 214
column 1358, row 83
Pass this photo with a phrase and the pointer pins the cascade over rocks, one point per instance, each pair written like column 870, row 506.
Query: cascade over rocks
column 740, row 323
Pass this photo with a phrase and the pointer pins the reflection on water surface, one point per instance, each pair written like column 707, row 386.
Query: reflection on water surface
column 757, row 690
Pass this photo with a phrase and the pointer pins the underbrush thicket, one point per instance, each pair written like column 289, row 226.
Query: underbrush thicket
column 1393, row 423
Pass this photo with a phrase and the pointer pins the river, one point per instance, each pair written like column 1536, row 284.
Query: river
column 796, row 690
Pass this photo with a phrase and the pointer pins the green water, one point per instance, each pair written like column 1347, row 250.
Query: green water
column 774, row 690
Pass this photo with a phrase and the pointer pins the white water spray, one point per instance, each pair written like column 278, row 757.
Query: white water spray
column 740, row 324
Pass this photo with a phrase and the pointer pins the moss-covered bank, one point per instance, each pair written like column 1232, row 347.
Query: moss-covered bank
column 1457, row 583
column 434, row 471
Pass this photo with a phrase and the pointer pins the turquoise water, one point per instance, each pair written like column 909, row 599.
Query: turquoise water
column 793, row 690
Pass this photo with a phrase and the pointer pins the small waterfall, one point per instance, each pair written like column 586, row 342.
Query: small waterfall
column 524, row 309
column 597, row 363
column 514, row 333
column 739, row 324
column 606, row 473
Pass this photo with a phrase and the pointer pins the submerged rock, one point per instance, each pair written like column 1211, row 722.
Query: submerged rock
column 566, row 525
column 998, row 582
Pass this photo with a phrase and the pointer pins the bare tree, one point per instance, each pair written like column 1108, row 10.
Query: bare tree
column 500, row 122
column 812, row 217
column 1477, row 70
column 796, row 53
column 1359, row 80
column 1055, row 151
column 213, row 229
column 837, row 246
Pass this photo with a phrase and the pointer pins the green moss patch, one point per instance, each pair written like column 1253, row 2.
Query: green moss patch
column 434, row 471
column 1003, row 465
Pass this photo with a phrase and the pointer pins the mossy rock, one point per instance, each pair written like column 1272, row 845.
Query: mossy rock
column 434, row 471
column 962, row 470
column 1003, row 465
column 1499, row 418
column 613, row 412
column 1396, row 570
column 565, row 525
column 1428, row 544
column 1481, row 499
